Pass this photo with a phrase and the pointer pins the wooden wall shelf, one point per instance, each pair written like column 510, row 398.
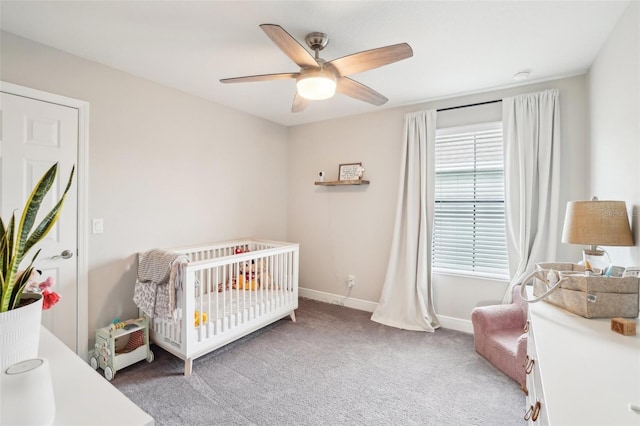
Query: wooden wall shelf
column 343, row 182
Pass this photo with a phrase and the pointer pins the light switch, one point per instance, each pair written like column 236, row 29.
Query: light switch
column 98, row 226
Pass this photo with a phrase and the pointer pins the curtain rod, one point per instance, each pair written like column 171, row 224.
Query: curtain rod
column 470, row 105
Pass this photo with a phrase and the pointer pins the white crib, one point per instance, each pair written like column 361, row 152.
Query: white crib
column 240, row 285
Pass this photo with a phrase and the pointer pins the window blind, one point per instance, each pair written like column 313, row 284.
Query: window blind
column 469, row 218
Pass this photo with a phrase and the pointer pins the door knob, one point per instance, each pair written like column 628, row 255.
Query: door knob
column 66, row 254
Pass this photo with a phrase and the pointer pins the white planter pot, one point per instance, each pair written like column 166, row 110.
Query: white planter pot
column 20, row 332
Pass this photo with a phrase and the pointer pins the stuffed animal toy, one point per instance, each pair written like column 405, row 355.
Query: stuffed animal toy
column 200, row 317
column 247, row 278
column 254, row 275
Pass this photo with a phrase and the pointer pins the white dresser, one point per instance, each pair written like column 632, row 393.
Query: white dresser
column 582, row 373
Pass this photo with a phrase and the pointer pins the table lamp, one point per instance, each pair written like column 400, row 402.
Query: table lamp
column 597, row 223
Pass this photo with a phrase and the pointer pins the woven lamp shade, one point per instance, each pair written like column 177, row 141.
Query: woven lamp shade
column 597, row 223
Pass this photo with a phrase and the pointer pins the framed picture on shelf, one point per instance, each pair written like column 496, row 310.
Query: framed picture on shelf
column 350, row 171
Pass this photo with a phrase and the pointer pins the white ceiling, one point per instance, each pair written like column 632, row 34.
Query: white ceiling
column 459, row 47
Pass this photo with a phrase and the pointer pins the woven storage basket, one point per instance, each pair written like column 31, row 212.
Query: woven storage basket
column 588, row 296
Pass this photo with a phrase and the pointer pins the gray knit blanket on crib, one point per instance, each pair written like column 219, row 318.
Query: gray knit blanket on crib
column 159, row 276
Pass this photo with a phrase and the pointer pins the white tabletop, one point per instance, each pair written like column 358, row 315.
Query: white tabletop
column 82, row 395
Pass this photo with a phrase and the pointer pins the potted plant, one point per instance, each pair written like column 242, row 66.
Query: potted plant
column 16, row 240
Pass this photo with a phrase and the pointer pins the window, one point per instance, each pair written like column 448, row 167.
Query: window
column 469, row 224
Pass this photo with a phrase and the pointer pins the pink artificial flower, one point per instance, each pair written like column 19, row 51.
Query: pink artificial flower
column 46, row 284
column 50, row 298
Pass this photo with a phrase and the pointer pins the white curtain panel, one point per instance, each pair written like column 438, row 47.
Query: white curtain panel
column 532, row 180
column 406, row 300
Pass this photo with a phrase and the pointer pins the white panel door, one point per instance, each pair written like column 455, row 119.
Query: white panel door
column 35, row 135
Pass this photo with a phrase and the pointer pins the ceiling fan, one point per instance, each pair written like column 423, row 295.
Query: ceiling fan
column 319, row 79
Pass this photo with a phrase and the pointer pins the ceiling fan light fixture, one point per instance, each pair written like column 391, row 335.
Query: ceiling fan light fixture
column 318, row 79
column 316, row 84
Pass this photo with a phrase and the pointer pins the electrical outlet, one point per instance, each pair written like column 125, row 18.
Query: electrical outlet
column 351, row 281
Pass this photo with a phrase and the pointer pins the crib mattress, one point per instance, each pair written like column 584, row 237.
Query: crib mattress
column 221, row 305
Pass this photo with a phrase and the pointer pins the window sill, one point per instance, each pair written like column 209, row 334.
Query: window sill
column 473, row 275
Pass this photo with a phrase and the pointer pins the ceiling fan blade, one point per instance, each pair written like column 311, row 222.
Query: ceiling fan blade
column 261, row 77
column 299, row 103
column 359, row 91
column 289, row 46
column 370, row 59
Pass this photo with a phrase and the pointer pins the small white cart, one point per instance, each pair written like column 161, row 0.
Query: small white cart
column 107, row 340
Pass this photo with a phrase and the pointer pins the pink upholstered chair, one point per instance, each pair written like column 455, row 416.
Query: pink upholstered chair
column 499, row 336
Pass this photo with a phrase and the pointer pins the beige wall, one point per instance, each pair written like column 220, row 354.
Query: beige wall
column 166, row 169
column 614, row 86
column 347, row 230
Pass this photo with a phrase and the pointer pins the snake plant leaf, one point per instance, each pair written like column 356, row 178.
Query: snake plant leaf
column 31, row 209
column 9, row 236
column 6, row 250
column 4, row 254
column 4, row 246
column 21, row 283
column 49, row 220
column 11, row 232
column 3, row 229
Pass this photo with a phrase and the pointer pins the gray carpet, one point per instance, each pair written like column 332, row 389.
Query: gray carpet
column 333, row 366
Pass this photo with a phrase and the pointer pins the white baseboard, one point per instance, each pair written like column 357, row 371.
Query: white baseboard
column 456, row 324
column 367, row 306
column 349, row 302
